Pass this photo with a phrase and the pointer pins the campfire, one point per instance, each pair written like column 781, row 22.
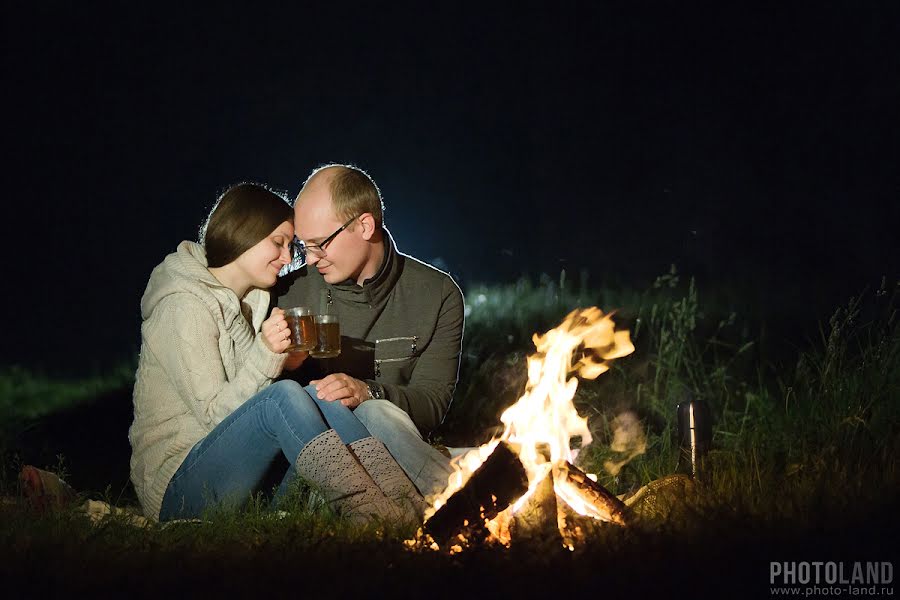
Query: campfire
column 524, row 483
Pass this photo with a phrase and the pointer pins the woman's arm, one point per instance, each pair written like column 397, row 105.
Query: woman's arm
column 185, row 340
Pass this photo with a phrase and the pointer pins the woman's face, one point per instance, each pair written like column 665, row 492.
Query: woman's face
column 261, row 263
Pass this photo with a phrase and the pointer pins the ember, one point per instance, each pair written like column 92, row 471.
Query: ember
column 535, row 449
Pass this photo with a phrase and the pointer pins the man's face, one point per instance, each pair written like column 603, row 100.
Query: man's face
column 314, row 219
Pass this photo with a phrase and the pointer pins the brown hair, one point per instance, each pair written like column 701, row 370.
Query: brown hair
column 353, row 192
column 245, row 214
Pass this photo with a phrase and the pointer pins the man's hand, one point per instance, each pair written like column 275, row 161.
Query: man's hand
column 340, row 386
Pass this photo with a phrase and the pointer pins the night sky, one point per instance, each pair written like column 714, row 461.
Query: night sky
column 757, row 147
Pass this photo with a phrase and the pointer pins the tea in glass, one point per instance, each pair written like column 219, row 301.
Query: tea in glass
column 328, row 337
column 302, row 325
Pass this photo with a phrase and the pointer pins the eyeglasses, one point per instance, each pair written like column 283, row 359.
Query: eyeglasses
column 300, row 249
column 319, row 249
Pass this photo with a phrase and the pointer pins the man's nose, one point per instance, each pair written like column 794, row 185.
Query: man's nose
column 312, row 259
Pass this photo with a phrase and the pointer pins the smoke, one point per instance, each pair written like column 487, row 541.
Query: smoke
column 628, row 439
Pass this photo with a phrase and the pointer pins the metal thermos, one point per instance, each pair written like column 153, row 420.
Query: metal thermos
column 695, row 437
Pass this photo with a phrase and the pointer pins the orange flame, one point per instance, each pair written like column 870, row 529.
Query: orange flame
column 544, row 420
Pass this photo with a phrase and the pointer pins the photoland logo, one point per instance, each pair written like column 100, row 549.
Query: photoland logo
column 831, row 573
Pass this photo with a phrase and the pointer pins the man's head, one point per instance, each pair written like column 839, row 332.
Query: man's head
column 338, row 215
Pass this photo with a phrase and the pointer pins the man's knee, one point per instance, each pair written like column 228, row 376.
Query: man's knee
column 383, row 414
column 376, row 411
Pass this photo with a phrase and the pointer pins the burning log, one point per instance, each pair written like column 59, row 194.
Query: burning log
column 497, row 483
column 537, row 438
column 601, row 503
column 536, row 520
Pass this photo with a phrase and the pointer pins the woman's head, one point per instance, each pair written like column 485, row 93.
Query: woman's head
column 243, row 216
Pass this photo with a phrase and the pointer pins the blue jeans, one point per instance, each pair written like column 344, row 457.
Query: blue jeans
column 231, row 462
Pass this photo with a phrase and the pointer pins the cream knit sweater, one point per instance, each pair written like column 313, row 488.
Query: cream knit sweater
column 201, row 358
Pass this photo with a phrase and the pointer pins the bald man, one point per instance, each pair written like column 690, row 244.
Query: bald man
column 401, row 320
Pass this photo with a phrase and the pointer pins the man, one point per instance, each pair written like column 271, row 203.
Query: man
column 401, row 320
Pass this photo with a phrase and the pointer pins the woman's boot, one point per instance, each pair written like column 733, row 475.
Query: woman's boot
column 327, row 463
column 388, row 475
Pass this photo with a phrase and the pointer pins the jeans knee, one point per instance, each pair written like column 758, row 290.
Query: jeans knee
column 289, row 405
column 286, row 387
column 374, row 410
column 382, row 413
column 292, row 398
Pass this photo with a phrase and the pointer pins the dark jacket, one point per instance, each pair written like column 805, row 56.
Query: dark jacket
column 401, row 330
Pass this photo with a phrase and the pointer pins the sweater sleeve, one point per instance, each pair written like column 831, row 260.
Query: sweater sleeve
column 427, row 396
column 186, row 343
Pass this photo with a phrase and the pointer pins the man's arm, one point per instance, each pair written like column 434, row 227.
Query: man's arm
column 427, row 396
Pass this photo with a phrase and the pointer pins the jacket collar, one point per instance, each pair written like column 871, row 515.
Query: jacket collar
column 375, row 290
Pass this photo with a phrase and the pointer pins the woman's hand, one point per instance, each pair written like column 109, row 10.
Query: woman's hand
column 275, row 332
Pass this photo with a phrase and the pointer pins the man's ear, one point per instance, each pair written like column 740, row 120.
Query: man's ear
column 368, row 223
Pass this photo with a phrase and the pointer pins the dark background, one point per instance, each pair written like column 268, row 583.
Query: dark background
column 757, row 148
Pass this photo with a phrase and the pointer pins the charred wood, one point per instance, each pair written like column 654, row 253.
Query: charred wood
column 536, row 520
column 497, row 483
column 608, row 507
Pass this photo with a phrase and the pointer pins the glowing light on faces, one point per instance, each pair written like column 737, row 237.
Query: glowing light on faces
column 262, row 263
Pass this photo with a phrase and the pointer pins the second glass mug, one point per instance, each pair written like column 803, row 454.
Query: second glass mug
column 328, row 337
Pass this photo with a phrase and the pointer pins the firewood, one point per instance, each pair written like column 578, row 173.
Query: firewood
column 605, row 502
column 536, row 520
column 498, row 482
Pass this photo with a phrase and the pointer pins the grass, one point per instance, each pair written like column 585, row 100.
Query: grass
column 803, row 451
column 820, row 432
column 29, row 395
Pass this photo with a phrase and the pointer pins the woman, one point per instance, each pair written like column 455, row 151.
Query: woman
column 208, row 421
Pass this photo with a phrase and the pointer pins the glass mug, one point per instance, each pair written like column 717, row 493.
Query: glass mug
column 328, row 337
column 302, row 326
